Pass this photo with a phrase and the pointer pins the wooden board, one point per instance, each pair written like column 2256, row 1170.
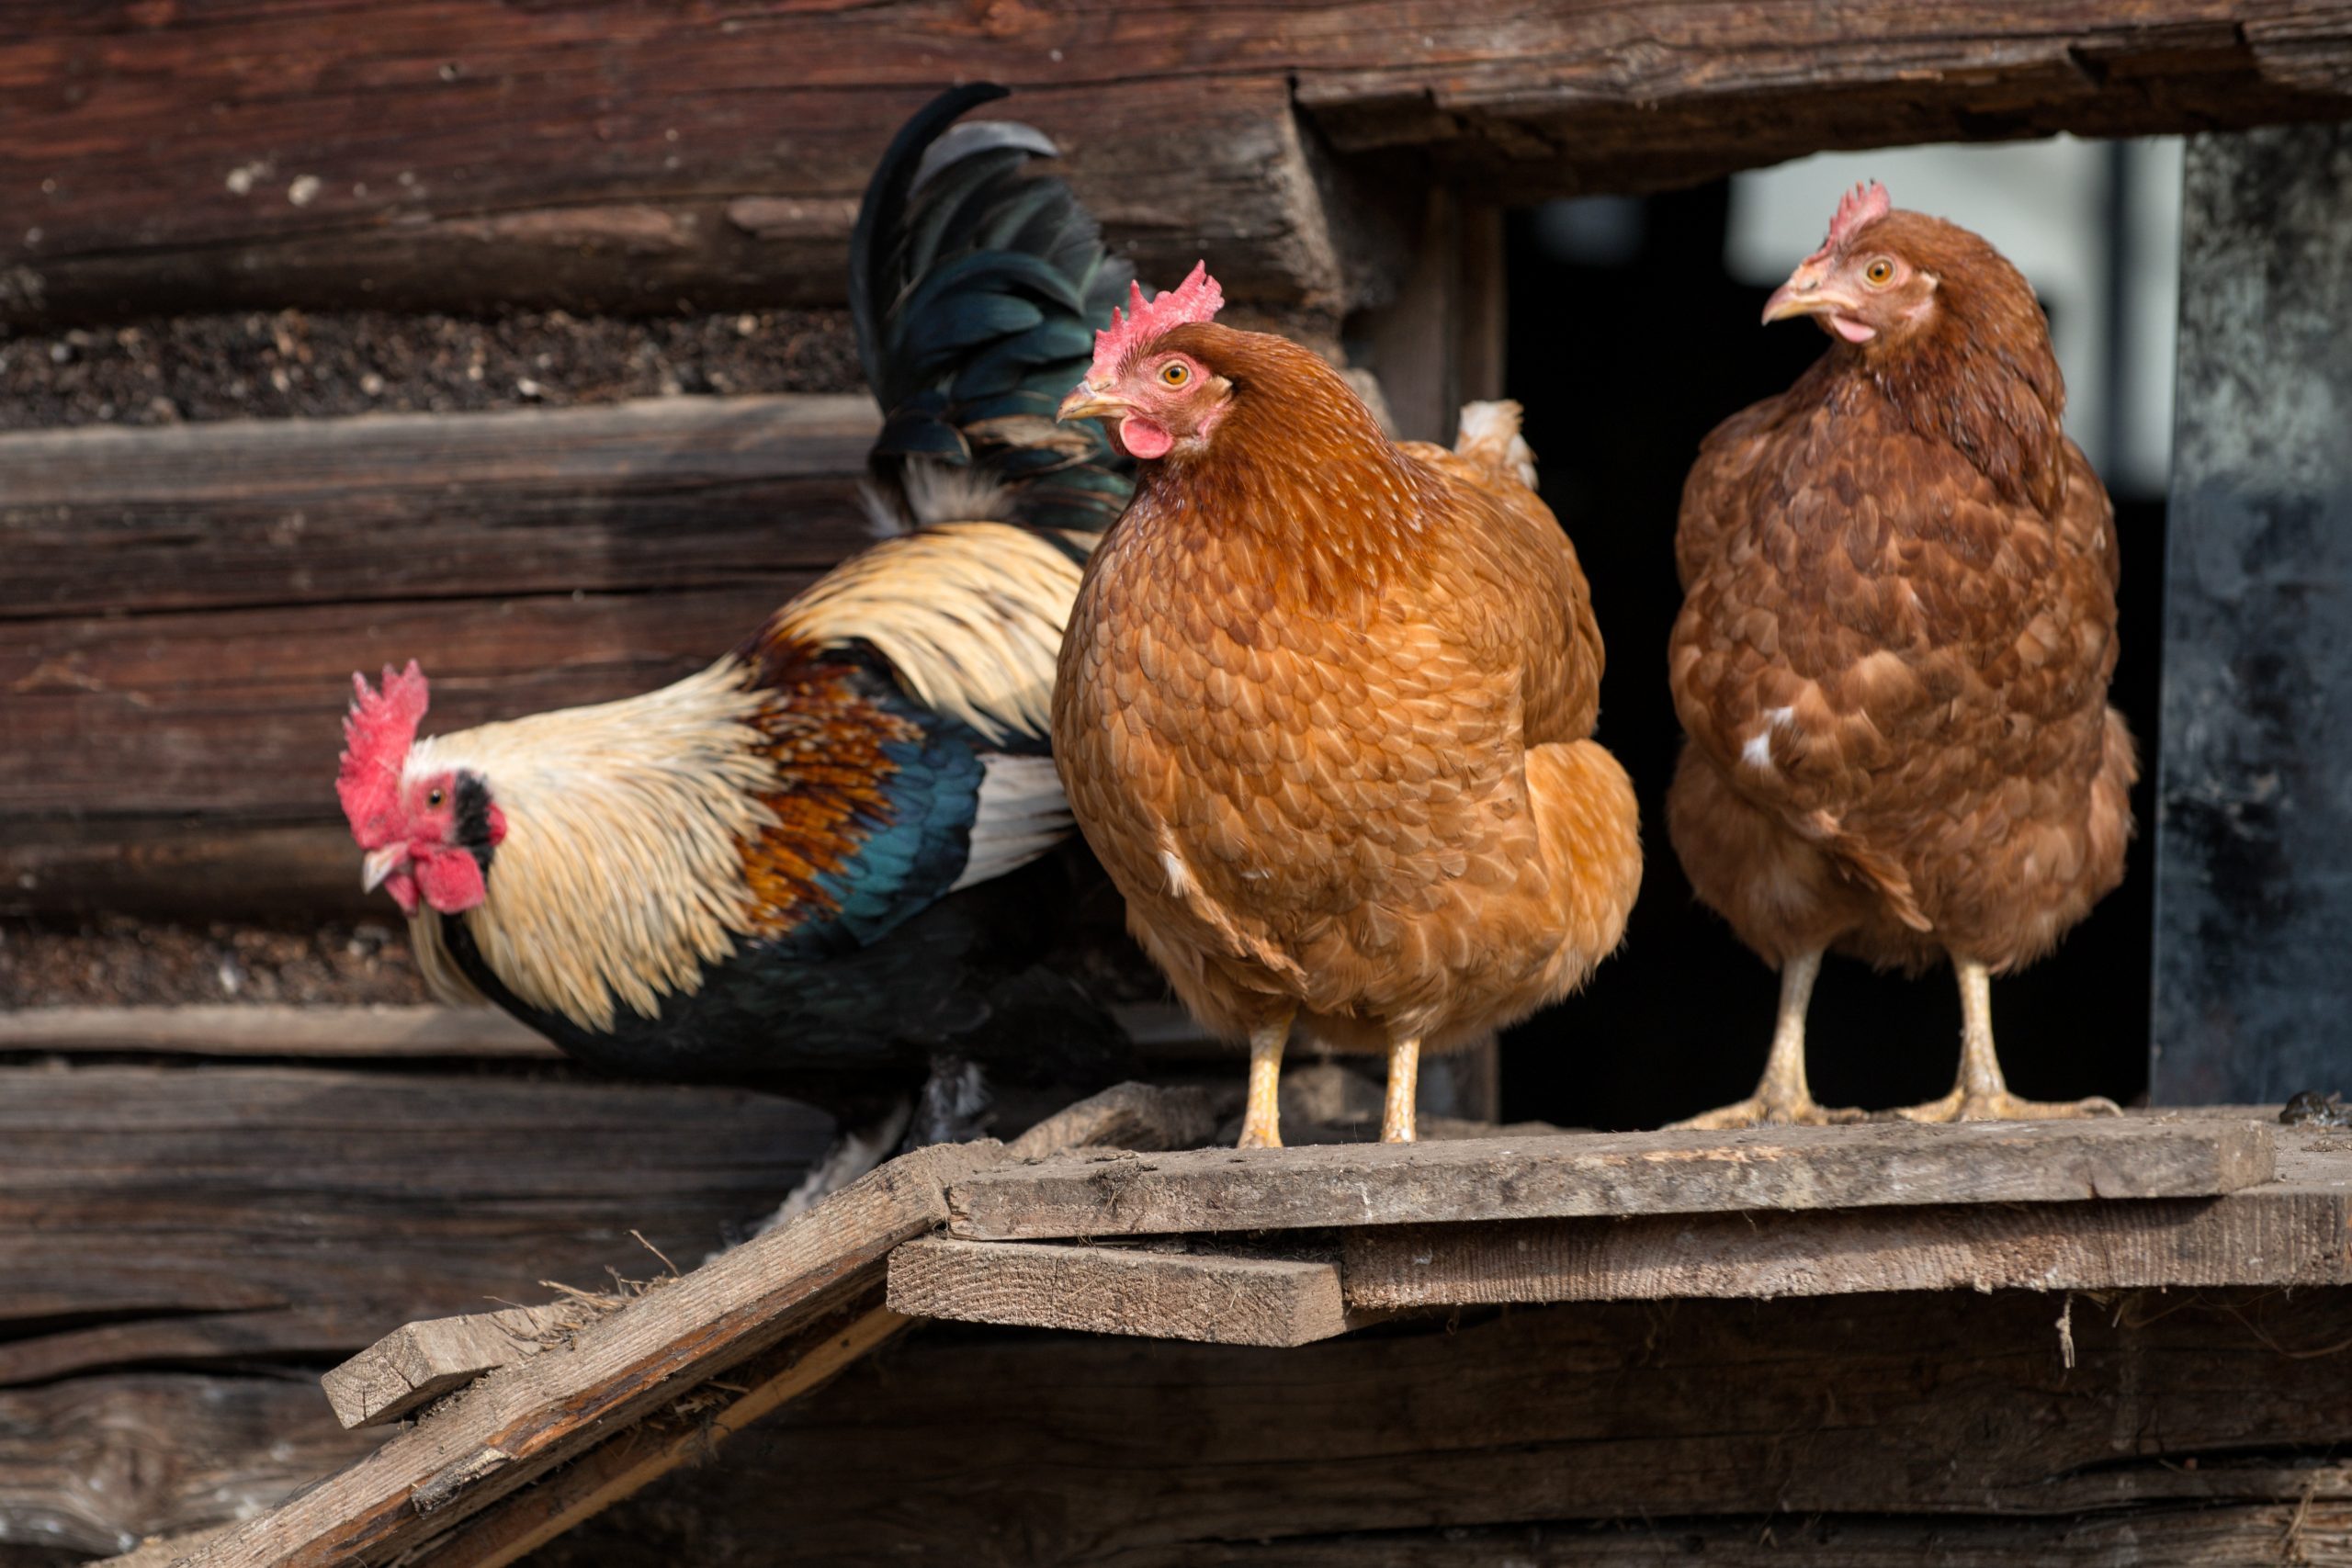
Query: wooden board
column 2254, row 826
column 1613, row 1174
column 528, row 1418
column 1040, row 1449
column 156, row 1215
column 2296, row 1230
column 604, row 155
column 418, row 1362
column 1210, row 1296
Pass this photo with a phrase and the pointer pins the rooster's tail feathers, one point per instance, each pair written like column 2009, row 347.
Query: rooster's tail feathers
column 977, row 289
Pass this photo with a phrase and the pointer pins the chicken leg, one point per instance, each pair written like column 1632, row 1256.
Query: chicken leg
column 1404, row 1090
column 1261, row 1122
column 1782, row 1095
column 1981, row 1094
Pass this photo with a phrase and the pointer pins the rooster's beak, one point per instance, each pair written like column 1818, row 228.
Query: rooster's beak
column 1086, row 403
column 380, row 865
column 1803, row 295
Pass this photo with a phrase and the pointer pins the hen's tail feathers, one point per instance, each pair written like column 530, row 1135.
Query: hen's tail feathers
column 977, row 288
column 1489, row 436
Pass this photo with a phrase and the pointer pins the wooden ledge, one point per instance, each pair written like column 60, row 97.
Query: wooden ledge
column 1611, row 1175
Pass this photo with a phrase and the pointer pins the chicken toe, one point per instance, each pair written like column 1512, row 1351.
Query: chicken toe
column 1981, row 1094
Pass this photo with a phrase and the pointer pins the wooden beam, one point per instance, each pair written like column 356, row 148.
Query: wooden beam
column 229, row 1030
column 1438, row 343
column 608, row 156
column 2296, row 1230
column 1211, row 1297
column 1613, row 1174
column 661, row 493
column 158, row 1215
column 2253, row 824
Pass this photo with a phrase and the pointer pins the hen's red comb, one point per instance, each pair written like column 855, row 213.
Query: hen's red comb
column 377, row 734
column 1197, row 299
column 1863, row 204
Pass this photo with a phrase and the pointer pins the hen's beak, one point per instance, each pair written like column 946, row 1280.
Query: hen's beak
column 1085, row 401
column 1803, row 295
column 380, row 865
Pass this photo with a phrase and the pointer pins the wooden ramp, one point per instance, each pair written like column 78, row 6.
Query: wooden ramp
column 526, row 1423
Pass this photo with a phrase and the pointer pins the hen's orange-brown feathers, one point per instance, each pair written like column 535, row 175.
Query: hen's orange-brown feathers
column 1894, row 655
column 1323, row 711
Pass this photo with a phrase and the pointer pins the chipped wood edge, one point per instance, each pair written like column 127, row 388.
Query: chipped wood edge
column 418, row 1362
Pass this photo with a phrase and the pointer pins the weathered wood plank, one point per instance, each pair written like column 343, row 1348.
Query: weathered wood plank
column 430, row 151
column 1211, row 1297
column 633, row 1459
column 1613, row 1174
column 418, row 1362
column 527, row 1417
column 1945, row 1406
column 657, row 494
column 180, row 868
column 1125, row 1116
column 2254, row 826
column 161, row 1214
column 2294, row 1231
column 368, row 1033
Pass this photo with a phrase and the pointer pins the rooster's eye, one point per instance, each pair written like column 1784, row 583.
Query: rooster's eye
column 433, row 798
column 1174, row 373
column 1879, row 273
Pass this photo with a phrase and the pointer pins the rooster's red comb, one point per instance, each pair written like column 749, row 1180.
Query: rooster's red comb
column 1197, row 299
column 377, row 734
column 1866, row 203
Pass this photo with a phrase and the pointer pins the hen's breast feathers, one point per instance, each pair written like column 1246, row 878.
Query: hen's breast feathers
column 1892, row 658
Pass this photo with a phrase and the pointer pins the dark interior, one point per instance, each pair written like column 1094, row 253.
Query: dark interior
column 1626, row 351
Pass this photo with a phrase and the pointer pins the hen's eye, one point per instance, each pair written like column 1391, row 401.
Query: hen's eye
column 1175, row 373
column 1879, row 273
column 433, row 798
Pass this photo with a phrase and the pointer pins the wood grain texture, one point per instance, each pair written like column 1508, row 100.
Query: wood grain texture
column 94, row 1464
column 430, row 151
column 687, row 1433
column 529, row 1416
column 661, row 493
column 2296, row 1230
column 1958, row 1405
column 1215, row 1298
column 418, row 1362
column 157, row 1214
column 1613, row 1174
column 372, row 1034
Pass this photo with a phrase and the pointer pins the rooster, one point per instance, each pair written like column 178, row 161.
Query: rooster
column 1892, row 657
column 797, row 868
column 1324, row 707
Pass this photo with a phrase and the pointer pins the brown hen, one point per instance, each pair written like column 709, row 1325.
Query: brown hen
column 1892, row 657
column 1323, row 710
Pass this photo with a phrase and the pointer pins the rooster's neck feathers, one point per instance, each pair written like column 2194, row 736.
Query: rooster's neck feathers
column 968, row 616
column 638, row 804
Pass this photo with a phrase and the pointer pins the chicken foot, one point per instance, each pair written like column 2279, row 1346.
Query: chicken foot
column 1782, row 1095
column 1981, row 1094
column 1404, row 1090
column 1261, row 1122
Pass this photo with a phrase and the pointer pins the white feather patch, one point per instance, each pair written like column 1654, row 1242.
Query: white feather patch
column 1489, row 434
column 1022, row 815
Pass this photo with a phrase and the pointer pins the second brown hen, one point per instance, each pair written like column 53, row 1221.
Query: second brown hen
column 1324, row 710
